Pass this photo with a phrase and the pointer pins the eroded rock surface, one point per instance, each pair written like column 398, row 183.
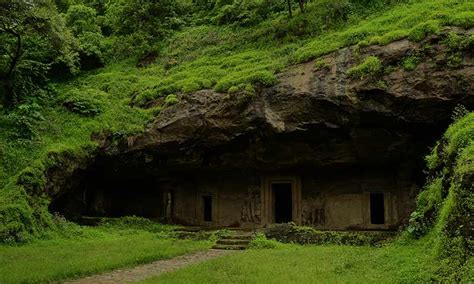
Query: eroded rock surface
column 337, row 136
column 321, row 117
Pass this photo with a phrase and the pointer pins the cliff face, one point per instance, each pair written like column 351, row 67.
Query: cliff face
column 317, row 119
column 319, row 116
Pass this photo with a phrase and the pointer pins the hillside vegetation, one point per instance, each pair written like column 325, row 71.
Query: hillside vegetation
column 89, row 69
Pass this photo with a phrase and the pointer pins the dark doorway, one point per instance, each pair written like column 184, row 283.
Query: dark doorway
column 283, row 202
column 207, row 204
column 377, row 208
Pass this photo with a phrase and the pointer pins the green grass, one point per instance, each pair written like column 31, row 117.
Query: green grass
column 94, row 250
column 395, row 263
column 414, row 20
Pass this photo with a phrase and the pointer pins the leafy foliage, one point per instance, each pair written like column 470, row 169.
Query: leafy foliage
column 34, row 37
column 85, row 103
column 445, row 205
column 82, row 21
column 291, row 233
column 260, row 241
column 24, row 119
column 410, row 62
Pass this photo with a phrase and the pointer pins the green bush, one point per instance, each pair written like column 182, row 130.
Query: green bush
column 137, row 223
column 463, row 19
column 291, row 233
column 85, row 102
column 445, row 205
column 422, row 30
column 16, row 216
column 171, row 99
column 411, row 62
column 428, row 203
column 321, row 64
column 371, row 67
column 24, row 119
column 264, row 78
column 260, row 241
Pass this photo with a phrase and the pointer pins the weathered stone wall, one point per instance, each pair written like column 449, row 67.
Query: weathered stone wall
column 337, row 202
column 342, row 201
column 235, row 198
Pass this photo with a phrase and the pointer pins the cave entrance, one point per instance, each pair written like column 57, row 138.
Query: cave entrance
column 377, row 208
column 207, row 206
column 113, row 188
column 283, row 202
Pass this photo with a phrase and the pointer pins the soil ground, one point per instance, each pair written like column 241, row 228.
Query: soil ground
column 152, row 269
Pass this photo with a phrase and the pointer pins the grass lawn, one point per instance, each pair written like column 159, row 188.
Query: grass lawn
column 395, row 263
column 95, row 251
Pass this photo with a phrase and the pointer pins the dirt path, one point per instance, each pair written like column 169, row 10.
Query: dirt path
column 152, row 269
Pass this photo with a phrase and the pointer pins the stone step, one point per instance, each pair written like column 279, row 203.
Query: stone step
column 233, row 242
column 237, row 237
column 229, row 247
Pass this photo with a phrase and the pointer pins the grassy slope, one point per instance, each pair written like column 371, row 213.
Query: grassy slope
column 94, row 250
column 394, row 263
column 210, row 57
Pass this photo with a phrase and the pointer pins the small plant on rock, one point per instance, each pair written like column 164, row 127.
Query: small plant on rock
column 171, row 99
column 410, row 63
column 320, row 65
column 371, row 67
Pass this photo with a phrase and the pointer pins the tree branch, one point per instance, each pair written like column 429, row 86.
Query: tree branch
column 17, row 54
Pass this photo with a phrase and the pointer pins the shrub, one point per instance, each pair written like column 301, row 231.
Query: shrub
column 16, row 216
column 260, row 241
column 84, row 103
column 171, row 99
column 321, row 64
column 371, row 66
column 291, row 233
column 454, row 60
column 428, row 202
column 445, row 205
column 25, row 118
column 190, row 87
column 456, row 45
column 410, row 63
column 265, row 78
column 422, row 30
column 459, row 112
column 136, row 223
column 462, row 19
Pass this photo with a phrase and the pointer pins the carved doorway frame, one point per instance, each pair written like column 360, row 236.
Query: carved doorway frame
column 267, row 209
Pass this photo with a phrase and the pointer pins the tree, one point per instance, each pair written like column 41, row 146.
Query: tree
column 138, row 25
column 32, row 37
column 290, row 10
column 82, row 20
column 301, row 3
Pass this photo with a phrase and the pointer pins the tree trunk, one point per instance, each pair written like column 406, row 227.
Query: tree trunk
column 17, row 54
column 8, row 99
column 289, row 8
column 301, row 2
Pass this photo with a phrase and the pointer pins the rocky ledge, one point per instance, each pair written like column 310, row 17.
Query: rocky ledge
column 317, row 117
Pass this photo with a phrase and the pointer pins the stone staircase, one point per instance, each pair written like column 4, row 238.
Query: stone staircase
column 237, row 240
